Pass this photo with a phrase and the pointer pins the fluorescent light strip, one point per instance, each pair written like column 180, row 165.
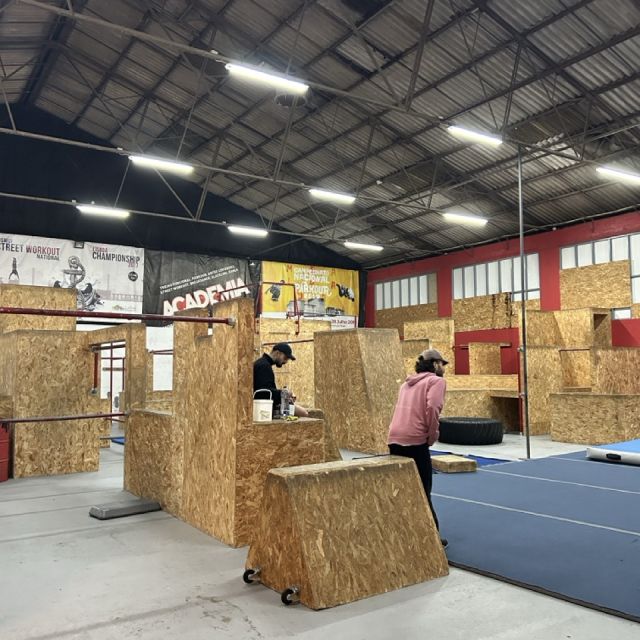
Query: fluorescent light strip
column 474, row 136
column 626, row 176
column 161, row 165
column 107, row 212
column 465, row 218
column 247, row 73
column 248, row 231
column 363, row 247
column 332, row 196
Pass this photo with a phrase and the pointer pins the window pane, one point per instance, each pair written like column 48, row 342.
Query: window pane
column 494, row 277
column 379, row 296
column 506, row 271
column 635, row 289
column 517, row 296
column 469, row 282
column 422, row 287
column 635, row 255
column 457, row 284
column 568, row 257
column 603, row 253
column 533, row 271
column 517, row 276
column 387, row 295
column 585, row 254
column 620, row 248
column 432, row 287
column 395, row 294
column 404, row 292
column 534, row 294
column 413, row 291
column 621, row 314
column 481, row 279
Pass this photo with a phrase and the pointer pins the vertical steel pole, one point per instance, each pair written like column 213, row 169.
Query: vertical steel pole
column 523, row 286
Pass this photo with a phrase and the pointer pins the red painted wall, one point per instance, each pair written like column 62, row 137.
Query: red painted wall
column 508, row 355
column 547, row 244
column 625, row 333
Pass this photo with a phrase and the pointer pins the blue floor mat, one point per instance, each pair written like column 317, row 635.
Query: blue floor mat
column 118, row 440
column 578, row 543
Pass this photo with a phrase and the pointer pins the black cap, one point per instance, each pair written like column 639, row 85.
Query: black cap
column 283, row 347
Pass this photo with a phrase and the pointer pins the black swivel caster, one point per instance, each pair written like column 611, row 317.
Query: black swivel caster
column 289, row 595
column 251, row 575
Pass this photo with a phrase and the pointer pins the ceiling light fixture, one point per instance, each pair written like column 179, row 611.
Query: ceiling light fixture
column 465, row 218
column 363, row 247
column 625, row 176
column 474, row 136
column 107, row 212
column 161, row 165
column 248, row 231
column 272, row 80
column 332, row 196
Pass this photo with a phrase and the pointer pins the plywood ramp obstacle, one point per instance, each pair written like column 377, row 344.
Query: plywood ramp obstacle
column 358, row 374
column 206, row 462
column 337, row 532
column 297, row 375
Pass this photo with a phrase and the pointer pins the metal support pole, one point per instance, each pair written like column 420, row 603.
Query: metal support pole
column 523, row 286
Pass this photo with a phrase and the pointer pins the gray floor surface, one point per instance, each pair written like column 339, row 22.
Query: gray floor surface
column 151, row 577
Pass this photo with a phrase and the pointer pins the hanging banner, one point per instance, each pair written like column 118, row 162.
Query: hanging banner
column 321, row 293
column 177, row 281
column 105, row 277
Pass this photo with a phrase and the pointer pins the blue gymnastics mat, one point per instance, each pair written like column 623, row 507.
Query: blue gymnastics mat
column 566, row 527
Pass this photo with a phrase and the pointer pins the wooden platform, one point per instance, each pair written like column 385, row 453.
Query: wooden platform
column 339, row 531
column 453, row 464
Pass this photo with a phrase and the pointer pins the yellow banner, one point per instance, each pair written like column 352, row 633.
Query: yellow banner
column 319, row 291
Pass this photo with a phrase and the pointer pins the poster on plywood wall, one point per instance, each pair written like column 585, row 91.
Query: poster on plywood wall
column 316, row 293
column 105, row 277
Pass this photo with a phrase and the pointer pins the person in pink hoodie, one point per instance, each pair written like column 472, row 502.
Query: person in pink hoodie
column 416, row 419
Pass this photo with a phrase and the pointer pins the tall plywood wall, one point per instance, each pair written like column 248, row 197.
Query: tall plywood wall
column 600, row 285
column 396, row 318
column 14, row 295
column 484, row 312
column 439, row 333
column 297, row 375
column 358, row 396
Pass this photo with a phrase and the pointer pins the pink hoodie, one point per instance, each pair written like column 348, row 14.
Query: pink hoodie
column 416, row 416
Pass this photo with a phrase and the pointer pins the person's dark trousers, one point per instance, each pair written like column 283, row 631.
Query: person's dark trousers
column 420, row 453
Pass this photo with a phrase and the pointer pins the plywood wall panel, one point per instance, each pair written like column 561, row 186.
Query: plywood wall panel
column 36, row 298
column 484, row 312
column 485, row 358
column 616, row 371
column 602, row 285
column 396, row 318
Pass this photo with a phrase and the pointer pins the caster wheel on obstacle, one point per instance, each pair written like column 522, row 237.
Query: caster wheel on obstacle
column 290, row 596
column 251, row 575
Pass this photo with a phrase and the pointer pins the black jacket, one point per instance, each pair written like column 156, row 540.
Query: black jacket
column 264, row 378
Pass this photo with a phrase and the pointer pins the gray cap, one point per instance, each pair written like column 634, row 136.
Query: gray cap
column 433, row 354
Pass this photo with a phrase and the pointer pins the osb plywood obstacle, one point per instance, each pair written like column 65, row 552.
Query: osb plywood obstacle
column 592, row 418
column 209, row 468
column 484, row 312
column 40, row 386
column 617, row 371
column 453, row 464
column 501, row 405
column 396, row 318
column 13, row 295
column 297, row 375
column 440, row 334
column 577, row 365
column 573, row 328
column 600, row 285
column 485, row 358
column 338, row 531
column 358, row 374
column 545, row 376
column 485, row 382
column 104, row 426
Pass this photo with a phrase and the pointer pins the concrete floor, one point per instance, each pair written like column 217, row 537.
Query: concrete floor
column 65, row 575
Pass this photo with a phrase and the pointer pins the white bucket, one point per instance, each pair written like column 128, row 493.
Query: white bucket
column 262, row 409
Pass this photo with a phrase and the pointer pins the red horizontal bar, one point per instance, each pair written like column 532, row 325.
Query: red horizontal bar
column 68, row 313
column 60, row 418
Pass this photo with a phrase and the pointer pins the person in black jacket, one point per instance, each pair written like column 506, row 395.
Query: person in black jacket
column 264, row 378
